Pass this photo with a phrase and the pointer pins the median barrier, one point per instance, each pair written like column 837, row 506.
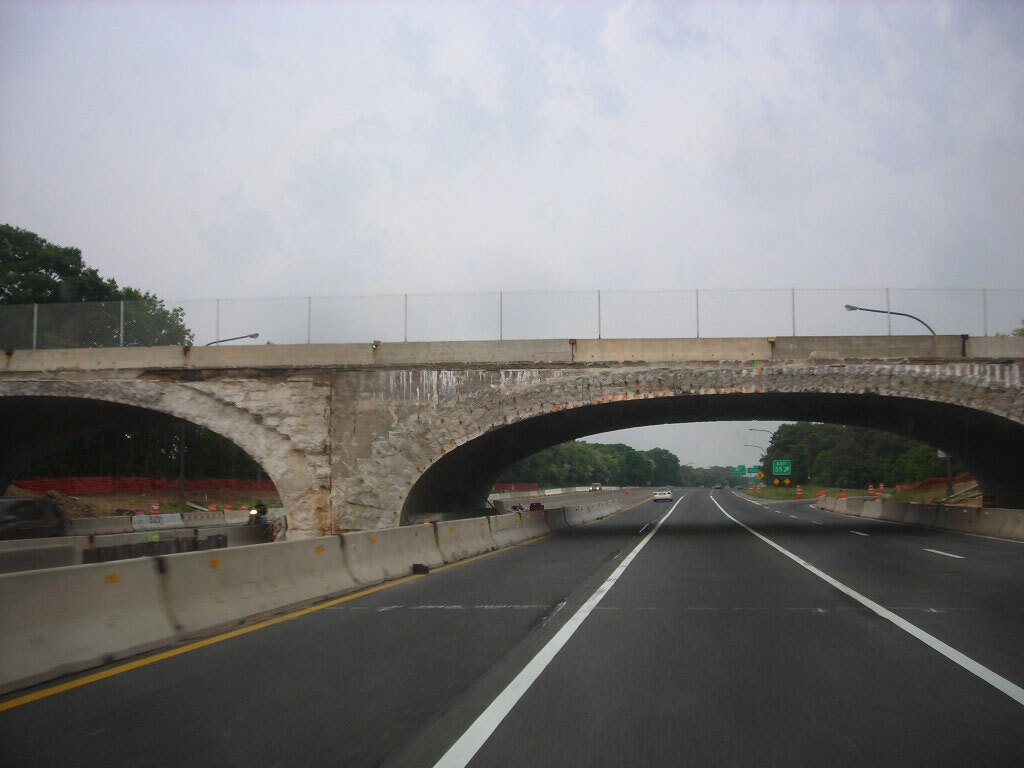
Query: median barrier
column 459, row 539
column 236, row 516
column 390, row 553
column 1003, row 523
column 92, row 526
column 203, row 519
column 535, row 523
column 507, row 529
column 143, row 523
column 213, row 589
column 63, row 620
column 237, row 535
column 33, row 554
column 575, row 516
column 557, row 519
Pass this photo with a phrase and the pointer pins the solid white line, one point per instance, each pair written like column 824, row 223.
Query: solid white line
column 859, row 533
column 463, row 750
column 1012, row 690
column 940, row 552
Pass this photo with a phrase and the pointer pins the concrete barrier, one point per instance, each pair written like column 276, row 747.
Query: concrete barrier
column 33, row 554
column 557, row 520
column 199, row 519
column 214, row 589
column 390, row 553
column 535, row 523
column 237, row 535
column 459, row 539
column 92, row 526
column 63, row 620
column 1003, row 523
column 143, row 523
column 507, row 529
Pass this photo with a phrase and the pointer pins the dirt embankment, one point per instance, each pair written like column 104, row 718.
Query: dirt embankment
column 107, row 505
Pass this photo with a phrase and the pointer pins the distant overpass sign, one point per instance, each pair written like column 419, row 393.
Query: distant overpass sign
column 740, row 469
column 782, row 467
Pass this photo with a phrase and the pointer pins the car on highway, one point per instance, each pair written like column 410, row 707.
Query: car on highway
column 663, row 494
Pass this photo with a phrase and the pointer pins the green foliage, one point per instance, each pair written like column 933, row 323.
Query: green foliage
column 852, row 457
column 148, row 450
column 78, row 307
column 579, row 463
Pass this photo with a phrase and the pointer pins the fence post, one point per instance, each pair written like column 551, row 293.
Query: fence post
column 121, row 329
column 35, row 325
column 501, row 315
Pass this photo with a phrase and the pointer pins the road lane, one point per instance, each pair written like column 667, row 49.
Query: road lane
column 710, row 649
column 715, row 650
column 345, row 685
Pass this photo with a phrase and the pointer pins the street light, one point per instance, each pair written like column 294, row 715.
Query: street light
column 852, row 308
column 762, row 449
column 233, row 338
column 755, row 429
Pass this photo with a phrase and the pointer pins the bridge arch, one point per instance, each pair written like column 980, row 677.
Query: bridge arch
column 961, row 410
column 45, row 415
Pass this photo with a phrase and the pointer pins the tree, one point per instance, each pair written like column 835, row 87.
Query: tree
column 79, row 308
column 843, row 456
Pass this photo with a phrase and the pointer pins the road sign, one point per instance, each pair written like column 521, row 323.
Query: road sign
column 739, row 470
column 782, row 467
column 760, row 475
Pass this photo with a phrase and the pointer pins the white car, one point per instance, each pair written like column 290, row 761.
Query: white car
column 663, row 494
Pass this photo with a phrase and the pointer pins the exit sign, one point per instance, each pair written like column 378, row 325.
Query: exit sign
column 782, row 467
column 739, row 470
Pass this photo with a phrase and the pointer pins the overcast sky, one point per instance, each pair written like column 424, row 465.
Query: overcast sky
column 243, row 149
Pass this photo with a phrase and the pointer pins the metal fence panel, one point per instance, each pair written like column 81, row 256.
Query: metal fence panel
column 517, row 315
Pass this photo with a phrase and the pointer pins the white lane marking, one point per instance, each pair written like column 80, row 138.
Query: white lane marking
column 1012, row 690
column 463, row 750
column 859, row 533
column 816, row 522
column 794, row 517
column 946, row 554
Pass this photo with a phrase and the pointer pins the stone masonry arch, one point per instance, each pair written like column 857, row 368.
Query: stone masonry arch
column 452, row 433
column 290, row 443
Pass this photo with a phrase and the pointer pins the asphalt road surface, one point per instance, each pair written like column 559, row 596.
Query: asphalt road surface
column 714, row 631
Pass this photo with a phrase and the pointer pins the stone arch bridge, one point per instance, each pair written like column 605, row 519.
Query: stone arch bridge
column 375, row 435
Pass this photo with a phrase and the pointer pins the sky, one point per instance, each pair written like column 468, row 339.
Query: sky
column 252, row 150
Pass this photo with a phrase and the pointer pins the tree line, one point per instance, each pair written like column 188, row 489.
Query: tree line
column 579, row 463
column 855, row 457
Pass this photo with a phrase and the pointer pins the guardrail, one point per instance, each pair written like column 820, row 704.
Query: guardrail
column 63, row 620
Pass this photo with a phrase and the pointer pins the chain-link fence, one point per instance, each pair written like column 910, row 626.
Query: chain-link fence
column 516, row 315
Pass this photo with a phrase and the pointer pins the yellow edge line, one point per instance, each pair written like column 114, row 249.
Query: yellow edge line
column 164, row 655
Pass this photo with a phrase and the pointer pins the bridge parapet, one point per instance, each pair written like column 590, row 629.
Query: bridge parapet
column 513, row 353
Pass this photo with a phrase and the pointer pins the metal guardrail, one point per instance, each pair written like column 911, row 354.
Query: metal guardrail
column 693, row 313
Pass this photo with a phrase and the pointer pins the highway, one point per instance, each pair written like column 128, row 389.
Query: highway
column 713, row 631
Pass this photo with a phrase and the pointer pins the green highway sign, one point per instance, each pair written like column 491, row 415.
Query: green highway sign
column 782, row 467
column 739, row 470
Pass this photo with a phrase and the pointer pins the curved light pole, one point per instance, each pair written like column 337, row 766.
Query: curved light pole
column 233, row 338
column 852, row 308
